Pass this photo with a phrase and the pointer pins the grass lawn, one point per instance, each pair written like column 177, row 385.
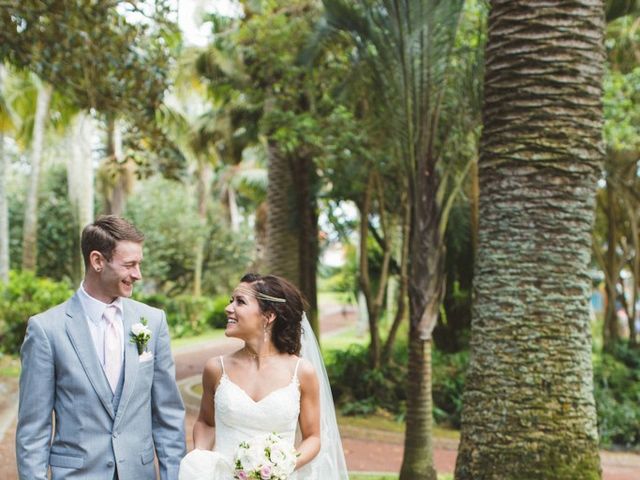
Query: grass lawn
column 213, row 334
column 342, row 340
column 387, row 423
column 335, row 297
column 9, row 366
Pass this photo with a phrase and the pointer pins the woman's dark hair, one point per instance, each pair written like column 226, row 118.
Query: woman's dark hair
column 287, row 326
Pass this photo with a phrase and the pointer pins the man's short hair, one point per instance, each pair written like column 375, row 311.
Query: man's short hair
column 104, row 234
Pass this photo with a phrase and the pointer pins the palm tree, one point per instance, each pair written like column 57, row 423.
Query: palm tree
column 253, row 59
column 6, row 125
column 80, row 179
column 30, row 229
column 529, row 410
column 408, row 46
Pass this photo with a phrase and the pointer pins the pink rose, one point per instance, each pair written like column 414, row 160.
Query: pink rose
column 241, row 474
column 265, row 472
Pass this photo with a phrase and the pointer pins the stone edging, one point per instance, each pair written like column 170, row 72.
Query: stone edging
column 189, row 397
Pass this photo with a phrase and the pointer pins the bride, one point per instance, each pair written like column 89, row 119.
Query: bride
column 276, row 383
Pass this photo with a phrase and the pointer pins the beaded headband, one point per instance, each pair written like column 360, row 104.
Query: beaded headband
column 261, row 296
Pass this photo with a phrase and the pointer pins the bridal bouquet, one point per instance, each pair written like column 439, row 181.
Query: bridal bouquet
column 266, row 457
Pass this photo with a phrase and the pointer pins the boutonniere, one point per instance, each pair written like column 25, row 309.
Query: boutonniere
column 140, row 335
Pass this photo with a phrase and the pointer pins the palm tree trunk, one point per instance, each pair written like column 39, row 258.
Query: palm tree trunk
column 30, row 229
column 205, row 174
column 234, row 214
column 4, row 216
column 307, row 212
column 363, row 277
column 426, row 289
column 474, row 202
column 282, row 256
column 117, row 175
column 418, row 444
column 80, row 180
column 529, row 411
column 292, row 224
column 611, row 331
column 635, row 230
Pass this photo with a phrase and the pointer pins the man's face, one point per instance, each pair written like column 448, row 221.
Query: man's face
column 119, row 275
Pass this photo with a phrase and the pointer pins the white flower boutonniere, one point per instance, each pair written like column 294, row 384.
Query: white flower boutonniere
column 140, row 335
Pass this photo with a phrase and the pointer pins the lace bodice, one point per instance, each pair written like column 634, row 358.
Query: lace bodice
column 239, row 418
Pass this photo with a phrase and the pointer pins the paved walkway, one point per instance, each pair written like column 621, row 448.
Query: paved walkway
column 363, row 454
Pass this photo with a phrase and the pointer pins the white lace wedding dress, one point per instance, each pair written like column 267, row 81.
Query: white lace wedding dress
column 240, row 418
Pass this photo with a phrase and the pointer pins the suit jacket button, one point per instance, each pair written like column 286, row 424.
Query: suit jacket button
column 110, row 464
column 115, row 435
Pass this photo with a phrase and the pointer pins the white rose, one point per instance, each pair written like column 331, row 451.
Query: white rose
column 138, row 328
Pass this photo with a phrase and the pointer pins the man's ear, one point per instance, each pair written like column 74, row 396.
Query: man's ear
column 97, row 260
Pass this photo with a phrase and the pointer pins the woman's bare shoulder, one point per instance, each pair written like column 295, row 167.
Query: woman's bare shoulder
column 306, row 372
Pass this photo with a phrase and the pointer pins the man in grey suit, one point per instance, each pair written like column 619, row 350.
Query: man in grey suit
column 115, row 406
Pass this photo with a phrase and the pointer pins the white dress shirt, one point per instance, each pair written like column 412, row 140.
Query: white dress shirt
column 93, row 310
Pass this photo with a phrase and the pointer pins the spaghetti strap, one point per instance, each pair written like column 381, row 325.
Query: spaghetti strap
column 295, row 372
column 222, row 364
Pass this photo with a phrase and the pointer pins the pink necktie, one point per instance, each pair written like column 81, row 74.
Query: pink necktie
column 112, row 347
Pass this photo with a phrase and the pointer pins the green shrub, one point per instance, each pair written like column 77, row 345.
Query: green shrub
column 617, row 393
column 359, row 390
column 24, row 296
column 189, row 315
column 217, row 317
column 448, row 377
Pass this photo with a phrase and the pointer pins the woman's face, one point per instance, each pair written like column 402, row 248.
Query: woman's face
column 244, row 318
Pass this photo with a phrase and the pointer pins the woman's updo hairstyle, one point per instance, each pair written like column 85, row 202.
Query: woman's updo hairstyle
column 286, row 329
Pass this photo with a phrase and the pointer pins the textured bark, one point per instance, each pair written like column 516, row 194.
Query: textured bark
column 307, row 213
column 418, row 443
column 426, row 289
column 292, row 224
column 529, row 411
column 612, row 267
column 282, row 256
column 474, row 203
column 4, row 216
column 30, row 230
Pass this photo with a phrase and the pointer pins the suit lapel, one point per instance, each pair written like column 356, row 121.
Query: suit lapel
column 80, row 336
column 131, row 360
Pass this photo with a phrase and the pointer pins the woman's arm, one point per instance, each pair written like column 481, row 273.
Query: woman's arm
column 309, row 414
column 204, row 428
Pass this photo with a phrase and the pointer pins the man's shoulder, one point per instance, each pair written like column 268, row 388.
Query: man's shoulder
column 52, row 316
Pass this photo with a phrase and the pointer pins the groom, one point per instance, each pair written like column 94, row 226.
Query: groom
column 113, row 408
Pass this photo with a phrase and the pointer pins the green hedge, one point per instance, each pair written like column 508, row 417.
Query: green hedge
column 617, row 391
column 24, row 296
column 188, row 315
column 359, row 390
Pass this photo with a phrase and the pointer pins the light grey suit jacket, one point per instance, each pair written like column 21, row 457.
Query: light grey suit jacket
column 61, row 373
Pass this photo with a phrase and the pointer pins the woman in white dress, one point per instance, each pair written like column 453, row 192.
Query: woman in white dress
column 266, row 387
